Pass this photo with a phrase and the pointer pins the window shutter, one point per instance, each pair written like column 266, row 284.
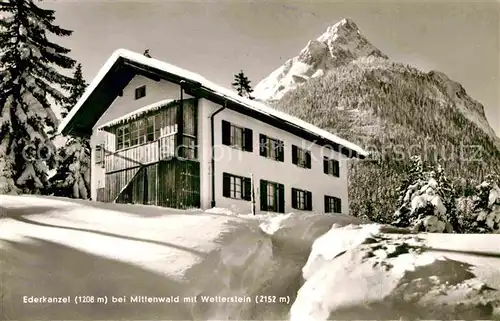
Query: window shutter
column 338, row 205
column 325, row 165
column 226, row 133
column 226, row 185
column 336, row 168
column 294, row 155
column 248, row 139
column 263, row 145
column 294, row 198
column 309, row 201
column 308, row 159
column 326, row 204
column 247, row 188
column 263, row 195
column 281, row 198
column 281, row 152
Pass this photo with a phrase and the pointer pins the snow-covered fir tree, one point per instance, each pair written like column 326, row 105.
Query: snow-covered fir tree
column 242, row 85
column 480, row 213
column 428, row 200
column 30, row 74
column 73, row 172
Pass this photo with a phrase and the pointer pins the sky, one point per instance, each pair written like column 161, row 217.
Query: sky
column 218, row 38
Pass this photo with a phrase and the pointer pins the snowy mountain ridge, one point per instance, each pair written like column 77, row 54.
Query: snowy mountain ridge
column 339, row 45
column 342, row 44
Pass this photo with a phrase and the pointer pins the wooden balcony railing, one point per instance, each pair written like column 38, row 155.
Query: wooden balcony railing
column 150, row 152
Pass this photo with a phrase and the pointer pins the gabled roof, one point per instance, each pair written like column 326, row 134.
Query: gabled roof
column 123, row 65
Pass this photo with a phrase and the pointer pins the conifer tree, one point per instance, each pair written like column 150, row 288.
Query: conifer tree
column 242, row 85
column 73, row 172
column 30, row 75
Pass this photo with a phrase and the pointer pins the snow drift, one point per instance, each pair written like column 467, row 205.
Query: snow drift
column 61, row 247
column 328, row 267
column 379, row 272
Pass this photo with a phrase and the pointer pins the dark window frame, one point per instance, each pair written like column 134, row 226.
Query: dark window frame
column 333, row 204
column 245, row 137
column 272, row 148
column 331, row 166
column 301, row 157
column 140, row 92
column 301, row 199
column 229, row 183
column 275, row 190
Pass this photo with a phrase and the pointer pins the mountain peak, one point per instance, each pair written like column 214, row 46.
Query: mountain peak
column 343, row 27
column 340, row 44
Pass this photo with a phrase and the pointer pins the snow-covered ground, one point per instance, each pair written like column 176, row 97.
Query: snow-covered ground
column 308, row 267
column 376, row 272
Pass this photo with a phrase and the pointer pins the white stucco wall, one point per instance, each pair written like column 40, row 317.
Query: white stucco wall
column 242, row 163
column 205, row 109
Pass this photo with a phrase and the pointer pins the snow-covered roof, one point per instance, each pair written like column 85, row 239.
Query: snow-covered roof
column 216, row 89
column 138, row 112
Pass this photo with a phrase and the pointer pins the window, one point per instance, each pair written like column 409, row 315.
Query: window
column 331, row 167
column 123, row 136
column 150, row 129
column 301, row 200
column 236, row 187
column 126, row 137
column 99, row 155
column 134, row 134
column 119, row 138
column 333, row 204
column 272, row 197
column 301, row 157
column 188, row 148
column 140, row 92
column 237, row 137
column 157, row 126
column 271, row 148
column 140, row 131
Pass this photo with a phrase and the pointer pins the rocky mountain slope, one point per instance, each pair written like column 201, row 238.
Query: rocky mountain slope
column 357, row 92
